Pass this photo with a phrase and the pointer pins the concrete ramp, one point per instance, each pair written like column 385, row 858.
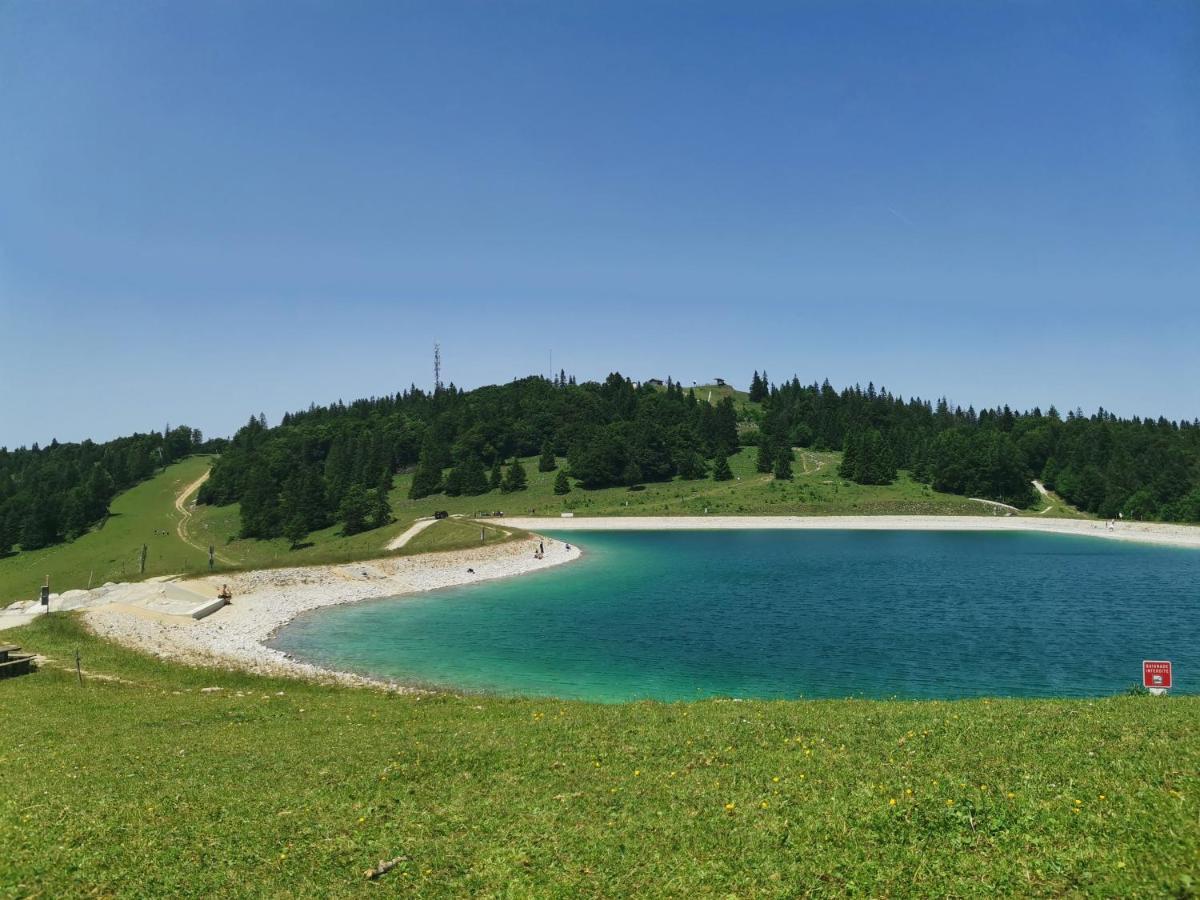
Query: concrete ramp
column 207, row 609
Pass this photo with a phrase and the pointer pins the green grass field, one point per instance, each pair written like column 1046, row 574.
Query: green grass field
column 139, row 784
column 147, row 514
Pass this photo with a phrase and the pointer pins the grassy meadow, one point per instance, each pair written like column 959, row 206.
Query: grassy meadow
column 141, row 782
column 145, row 514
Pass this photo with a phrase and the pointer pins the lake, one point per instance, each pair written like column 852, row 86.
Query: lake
column 784, row 614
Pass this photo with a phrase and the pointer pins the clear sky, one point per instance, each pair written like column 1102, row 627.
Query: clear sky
column 212, row 209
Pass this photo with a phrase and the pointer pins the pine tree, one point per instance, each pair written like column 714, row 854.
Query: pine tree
column 8, row 530
column 562, row 484
column 355, row 508
column 849, row 467
column 691, row 466
column 291, row 509
column 758, row 388
column 783, row 464
column 765, row 461
column 295, row 529
column 260, row 505
column 381, row 511
column 725, row 426
column 547, row 463
column 515, row 478
column 632, row 473
column 496, row 481
column 721, row 470
column 428, row 477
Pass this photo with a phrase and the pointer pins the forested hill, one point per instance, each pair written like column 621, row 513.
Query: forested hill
column 57, row 492
column 337, row 462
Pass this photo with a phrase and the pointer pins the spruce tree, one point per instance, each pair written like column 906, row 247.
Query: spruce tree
column 562, row 484
column 295, row 529
column 8, row 531
column 758, row 388
column 515, row 478
column 632, row 473
column 849, row 467
column 260, row 505
column 428, row 477
column 496, row 480
column 765, row 461
column 691, row 466
column 783, row 464
column 547, row 463
column 474, row 480
column 725, row 426
column 381, row 510
column 355, row 508
column 721, row 470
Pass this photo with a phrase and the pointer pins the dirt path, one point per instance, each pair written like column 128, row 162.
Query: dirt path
column 413, row 530
column 804, row 460
column 1046, row 495
column 995, row 503
column 185, row 515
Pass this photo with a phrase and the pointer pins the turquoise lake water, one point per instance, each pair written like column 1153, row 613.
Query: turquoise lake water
column 782, row 614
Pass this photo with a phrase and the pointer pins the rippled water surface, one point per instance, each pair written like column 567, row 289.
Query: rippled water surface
column 678, row 615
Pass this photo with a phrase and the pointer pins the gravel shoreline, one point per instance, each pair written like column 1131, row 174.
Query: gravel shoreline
column 266, row 600
column 1142, row 532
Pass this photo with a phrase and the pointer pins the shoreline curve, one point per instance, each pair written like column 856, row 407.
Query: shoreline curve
column 1141, row 532
column 266, row 600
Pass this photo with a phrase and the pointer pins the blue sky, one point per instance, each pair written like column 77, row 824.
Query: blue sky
column 213, row 209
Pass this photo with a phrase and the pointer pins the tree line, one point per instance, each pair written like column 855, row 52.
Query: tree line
column 57, row 492
column 335, row 464
column 1138, row 468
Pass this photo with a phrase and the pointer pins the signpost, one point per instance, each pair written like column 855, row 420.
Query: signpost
column 1156, row 675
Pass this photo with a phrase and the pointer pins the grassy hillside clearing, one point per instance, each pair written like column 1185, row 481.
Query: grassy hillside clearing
column 177, row 538
column 145, row 514
column 144, row 783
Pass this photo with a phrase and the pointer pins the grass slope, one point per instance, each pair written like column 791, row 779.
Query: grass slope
column 147, row 786
column 815, row 490
column 145, row 514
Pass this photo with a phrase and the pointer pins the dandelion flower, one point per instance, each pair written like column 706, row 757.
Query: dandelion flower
column 729, row 807
column 892, row 801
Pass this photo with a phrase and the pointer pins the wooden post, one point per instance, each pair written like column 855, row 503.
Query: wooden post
column 78, row 671
column 481, row 537
column 142, row 562
column 211, row 552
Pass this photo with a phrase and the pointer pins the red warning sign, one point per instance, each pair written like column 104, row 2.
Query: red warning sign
column 1156, row 673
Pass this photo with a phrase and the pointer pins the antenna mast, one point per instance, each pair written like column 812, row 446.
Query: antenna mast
column 437, row 368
